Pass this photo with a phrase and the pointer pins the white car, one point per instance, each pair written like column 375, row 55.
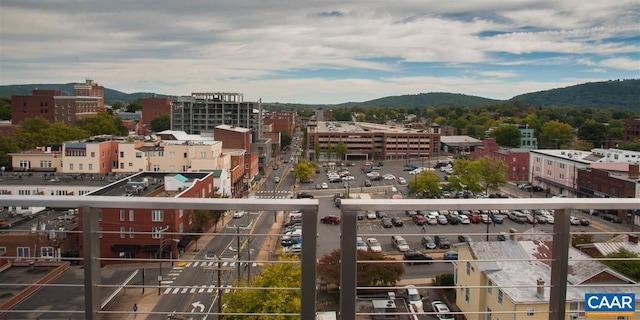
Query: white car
column 294, row 249
column 239, row 214
column 325, row 185
column 432, row 220
column 550, row 219
column 415, row 299
column 371, row 215
column 402, row 180
column 373, row 174
column 464, row 219
column 574, row 221
column 347, row 178
column 388, row 177
column 374, row 245
column 361, row 245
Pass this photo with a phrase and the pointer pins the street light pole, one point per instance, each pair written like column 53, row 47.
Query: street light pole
column 238, row 253
column 159, row 255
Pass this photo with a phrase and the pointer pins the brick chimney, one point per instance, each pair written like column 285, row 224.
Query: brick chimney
column 634, row 171
column 632, row 238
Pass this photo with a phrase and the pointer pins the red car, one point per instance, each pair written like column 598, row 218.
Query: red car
column 330, row 219
column 419, row 220
column 474, row 218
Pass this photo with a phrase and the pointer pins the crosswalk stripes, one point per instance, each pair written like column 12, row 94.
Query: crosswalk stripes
column 201, row 289
column 268, row 191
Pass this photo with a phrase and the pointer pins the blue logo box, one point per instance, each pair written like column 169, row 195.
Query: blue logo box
column 610, row 304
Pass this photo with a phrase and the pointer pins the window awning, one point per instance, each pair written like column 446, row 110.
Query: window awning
column 155, row 248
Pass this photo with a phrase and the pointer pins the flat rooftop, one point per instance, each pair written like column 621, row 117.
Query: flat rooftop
column 346, row 126
column 145, row 184
column 61, row 179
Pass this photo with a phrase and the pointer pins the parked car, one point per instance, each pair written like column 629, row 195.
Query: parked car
column 367, row 183
column 304, row 195
column 293, row 249
column 428, row 242
column 441, row 310
column 465, row 238
column 410, row 213
column 374, row 245
column 386, row 223
column 400, row 243
column 361, row 245
column 325, row 185
column 415, row 298
column 453, row 219
column 442, row 220
column 318, row 186
column 331, row 219
column 611, row 218
column 417, row 257
column 306, row 180
column 502, row 236
column 371, row 215
column 497, row 219
column 360, row 215
column 381, row 214
column 337, row 202
column 419, row 220
column 431, row 220
column 402, row 180
column 239, row 214
column 450, row 255
column 464, row 219
column 584, row 222
column 574, row 221
column 475, row 218
column 396, row 221
column 442, row 242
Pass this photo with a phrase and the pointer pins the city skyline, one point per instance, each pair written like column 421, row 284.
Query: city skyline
column 321, row 51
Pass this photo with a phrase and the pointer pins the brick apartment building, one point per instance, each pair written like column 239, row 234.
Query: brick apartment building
column 155, row 107
column 282, row 121
column 631, row 129
column 146, row 233
column 517, row 159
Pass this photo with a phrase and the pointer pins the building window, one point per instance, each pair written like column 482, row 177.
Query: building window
column 548, row 162
column 121, row 214
column 70, row 166
column 100, row 232
column 172, row 154
column 23, row 252
column 156, row 233
column 24, row 192
column 184, row 155
column 562, row 166
column 500, row 294
column 468, row 268
column 121, row 154
column 562, row 176
column 466, row 295
column 46, row 252
column 172, row 168
column 90, row 166
column 131, row 232
column 3, row 250
column 130, row 164
column 488, row 314
column 157, row 215
column 490, row 287
column 203, row 155
column 122, row 232
column 45, row 164
column 181, row 213
column 531, row 311
column 80, row 166
column 131, row 215
column 25, row 164
column 181, row 227
column 156, row 168
column 93, row 154
column 138, row 154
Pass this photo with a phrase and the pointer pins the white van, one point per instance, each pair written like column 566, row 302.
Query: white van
column 276, row 179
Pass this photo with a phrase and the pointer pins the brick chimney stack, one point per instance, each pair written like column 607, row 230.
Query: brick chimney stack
column 634, row 171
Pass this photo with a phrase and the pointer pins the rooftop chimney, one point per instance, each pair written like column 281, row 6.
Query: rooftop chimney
column 633, row 238
column 540, row 288
column 512, row 234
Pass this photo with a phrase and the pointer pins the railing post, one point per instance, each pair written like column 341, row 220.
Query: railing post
column 91, row 253
column 308, row 262
column 559, row 265
column 348, row 265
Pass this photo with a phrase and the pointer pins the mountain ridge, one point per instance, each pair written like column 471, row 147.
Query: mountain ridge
column 616, row 94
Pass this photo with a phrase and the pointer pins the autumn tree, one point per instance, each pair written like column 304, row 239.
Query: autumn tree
column 593, row 131
column 507, row 135
column 483, row 174
column 274, row 275
column 160, row 123
column 626, row 266
column 580, row 238
column 554, row 133
column 37, row 132
column 305, row 169
column 369, row 273
column 633, row 145
column 426, row 183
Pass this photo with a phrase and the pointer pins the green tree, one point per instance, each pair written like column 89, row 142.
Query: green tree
column 285, row 137
column 274, row 275
column 103, row 124
column 630, row 268
column 633, row 145
column 341, row 150
column 7, row 145
column 554, row 133
column 117, row 105
column 36, row 132
column 593, row 131
column 507, row 135
column 305, row 169
column 427, row 183
column 160, row 123
column 583, row 145
column 201, row 219
column 493, row 173
column 133, row 107
column 329, row 151
column 466, row 175
column 369, row 274
column 5, row 109
column 316, row 153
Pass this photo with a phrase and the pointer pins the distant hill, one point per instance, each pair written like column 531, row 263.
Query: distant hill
column 110, row 95
column 618, row 94
column 432, row 99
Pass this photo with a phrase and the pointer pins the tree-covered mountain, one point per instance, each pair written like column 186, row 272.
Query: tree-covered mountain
column 110, row 95
column 616, row 94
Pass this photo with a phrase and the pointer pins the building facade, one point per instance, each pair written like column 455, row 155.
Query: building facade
column 201, row 112
column 282, row 121
column 155, row 107
column 517, row 159
column 631, row 129
column 557, row 170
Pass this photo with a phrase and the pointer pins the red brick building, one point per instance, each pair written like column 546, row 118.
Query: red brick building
column 283, row 121
column 154, row 107
column 517, row 159
column 40, row 103
column 238, row 138
column 146, row 233
column 631, row 129
column 603, row 183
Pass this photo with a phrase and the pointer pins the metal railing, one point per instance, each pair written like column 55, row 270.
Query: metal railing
column 309, row 207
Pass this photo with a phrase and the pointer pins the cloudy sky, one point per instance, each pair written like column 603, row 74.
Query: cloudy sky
column 320, row 51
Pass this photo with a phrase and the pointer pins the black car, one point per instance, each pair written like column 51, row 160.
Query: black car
column 463, row 238
column 307, row 180
column 386, row 223
column 337, row 202
column 453, row 219
column 293, row 222
column 611, row 218
column 303, row 195
column 381, row 214
column 360, row 215
column 442, row 242
column 584, row 222
column 417, row 257
column 396, row 221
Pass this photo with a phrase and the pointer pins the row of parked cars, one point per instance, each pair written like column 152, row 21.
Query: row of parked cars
column 443, row 217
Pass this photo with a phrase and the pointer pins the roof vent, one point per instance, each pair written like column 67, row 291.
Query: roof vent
column 540, row 288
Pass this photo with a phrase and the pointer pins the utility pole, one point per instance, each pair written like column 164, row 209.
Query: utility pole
column 238, row 253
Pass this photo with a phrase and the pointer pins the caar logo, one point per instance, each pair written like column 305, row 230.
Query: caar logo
column 609, row 304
